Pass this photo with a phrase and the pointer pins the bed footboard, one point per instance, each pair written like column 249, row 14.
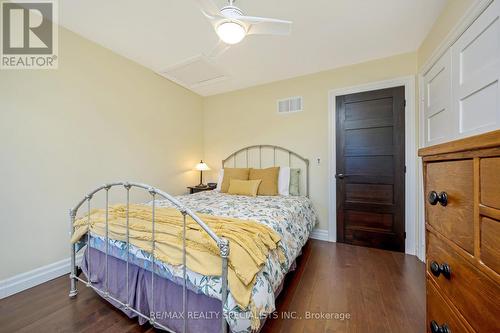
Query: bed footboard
column 222, row 243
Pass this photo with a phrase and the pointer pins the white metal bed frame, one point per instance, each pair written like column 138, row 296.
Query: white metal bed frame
column 222, row 243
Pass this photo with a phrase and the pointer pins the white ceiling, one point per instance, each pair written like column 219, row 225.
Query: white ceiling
column 326, row 34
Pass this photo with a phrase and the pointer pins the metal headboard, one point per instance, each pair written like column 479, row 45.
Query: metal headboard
column 274, row 149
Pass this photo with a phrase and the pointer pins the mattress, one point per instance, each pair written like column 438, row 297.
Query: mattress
column 293, row 217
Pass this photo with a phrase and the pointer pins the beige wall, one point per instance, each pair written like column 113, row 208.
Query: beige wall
column 247, row 117
column 449, row 18
column 98, row 118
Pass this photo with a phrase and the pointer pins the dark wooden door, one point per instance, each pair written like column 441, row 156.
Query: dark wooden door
column 371, row 169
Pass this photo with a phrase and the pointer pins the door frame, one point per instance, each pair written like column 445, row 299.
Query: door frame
column 413, row 217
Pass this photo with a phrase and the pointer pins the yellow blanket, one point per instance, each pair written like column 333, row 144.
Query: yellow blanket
column 249, row 241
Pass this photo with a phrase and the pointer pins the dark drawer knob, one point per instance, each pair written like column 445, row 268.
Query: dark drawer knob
column 438, row 269
column 435, row 328
column 434, row 198
column 443, row 198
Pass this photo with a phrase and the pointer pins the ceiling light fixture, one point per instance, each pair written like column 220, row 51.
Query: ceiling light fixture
column 231, row 32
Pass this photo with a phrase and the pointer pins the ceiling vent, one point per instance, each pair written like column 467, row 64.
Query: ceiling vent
column 195, row 72
column 290, row 105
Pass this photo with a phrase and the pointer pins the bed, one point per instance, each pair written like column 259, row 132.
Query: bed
column 176, row 299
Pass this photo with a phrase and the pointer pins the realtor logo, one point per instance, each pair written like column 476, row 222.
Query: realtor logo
column 29, row 34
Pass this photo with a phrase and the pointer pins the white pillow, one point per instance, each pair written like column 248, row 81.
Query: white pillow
column 219, row 180
column 284, row 181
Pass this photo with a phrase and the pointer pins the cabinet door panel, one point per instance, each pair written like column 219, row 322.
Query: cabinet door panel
column 437, row 101
column 476, row 74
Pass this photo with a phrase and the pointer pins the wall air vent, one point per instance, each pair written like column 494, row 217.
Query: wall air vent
column 290, row 105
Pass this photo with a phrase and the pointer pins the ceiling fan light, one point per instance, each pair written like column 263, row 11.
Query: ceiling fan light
column 231, row 32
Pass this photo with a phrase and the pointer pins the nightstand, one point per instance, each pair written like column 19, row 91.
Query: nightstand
column 194, row 189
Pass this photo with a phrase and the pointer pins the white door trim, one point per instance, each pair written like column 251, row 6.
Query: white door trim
column 412, row 199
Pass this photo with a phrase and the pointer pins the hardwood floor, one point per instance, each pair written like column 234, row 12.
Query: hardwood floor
column 381, row 291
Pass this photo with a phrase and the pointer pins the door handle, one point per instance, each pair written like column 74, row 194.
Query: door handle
column 343, row 175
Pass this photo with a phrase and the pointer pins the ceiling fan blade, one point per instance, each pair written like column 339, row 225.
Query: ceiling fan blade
column 208, row 7
column 266, row 26
column 218, row 49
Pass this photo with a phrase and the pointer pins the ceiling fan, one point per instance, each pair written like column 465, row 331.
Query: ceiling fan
column 232, row 26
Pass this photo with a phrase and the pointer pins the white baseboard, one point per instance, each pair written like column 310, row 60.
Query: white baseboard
column 30, row 279
column 320, row 234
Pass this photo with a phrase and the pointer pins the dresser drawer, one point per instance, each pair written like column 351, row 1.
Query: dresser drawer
column 490, row 182
column 474, row 294
column 455, row 219
column 441, row 313
column 490, row 243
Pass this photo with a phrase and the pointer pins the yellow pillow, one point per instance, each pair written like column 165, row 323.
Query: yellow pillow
column 269, row 176
column 233, row 173
column 244, row 187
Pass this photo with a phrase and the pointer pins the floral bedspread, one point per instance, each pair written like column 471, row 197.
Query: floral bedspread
column 293, row 217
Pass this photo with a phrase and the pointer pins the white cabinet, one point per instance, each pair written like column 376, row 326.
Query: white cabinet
column 462, row 89
column 437, row 101
column 476, row 74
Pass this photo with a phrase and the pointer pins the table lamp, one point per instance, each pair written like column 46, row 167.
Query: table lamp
column 202, row 166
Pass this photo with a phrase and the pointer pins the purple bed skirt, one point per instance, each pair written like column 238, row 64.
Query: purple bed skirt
column 167, row 295
column 204, row 313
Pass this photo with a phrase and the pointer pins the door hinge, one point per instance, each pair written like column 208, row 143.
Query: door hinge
column 405, row 168
column 404, row 234
column 404, row 103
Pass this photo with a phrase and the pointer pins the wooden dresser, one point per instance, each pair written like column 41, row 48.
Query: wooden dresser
column 462, row 214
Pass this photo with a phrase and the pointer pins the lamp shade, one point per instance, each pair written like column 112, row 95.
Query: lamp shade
column 202, row 166
column 231, row 32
